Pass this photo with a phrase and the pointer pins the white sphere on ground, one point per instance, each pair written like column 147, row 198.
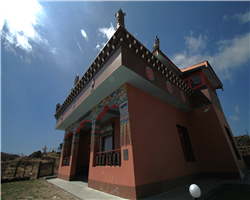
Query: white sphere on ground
column 195, row 191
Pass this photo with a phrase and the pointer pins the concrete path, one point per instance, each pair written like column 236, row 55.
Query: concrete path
column 81, row 190
column 208, row 187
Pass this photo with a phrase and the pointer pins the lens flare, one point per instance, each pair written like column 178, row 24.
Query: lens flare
column 84, row 35
column 78, row 44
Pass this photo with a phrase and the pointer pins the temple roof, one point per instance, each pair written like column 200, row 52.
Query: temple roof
column 208, row 70
column 122, row 36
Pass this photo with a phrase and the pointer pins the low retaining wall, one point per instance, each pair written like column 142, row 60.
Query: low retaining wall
column 15, row 179
column 49, row 177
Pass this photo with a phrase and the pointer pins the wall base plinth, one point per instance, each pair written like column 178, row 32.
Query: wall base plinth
column 66, row 177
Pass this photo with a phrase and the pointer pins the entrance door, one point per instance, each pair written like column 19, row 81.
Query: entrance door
column 82, row 164
column 87, row 155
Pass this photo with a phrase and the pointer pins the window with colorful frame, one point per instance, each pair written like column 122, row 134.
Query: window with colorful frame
column 107, row 139
column 195, row 81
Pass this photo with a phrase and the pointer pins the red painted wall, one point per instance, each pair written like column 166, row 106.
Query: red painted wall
column 156, row 154
column 116, row 180
column 212, row 97
column 240, row 163
column 64, row 172
column 213, row 151
column 157, row 148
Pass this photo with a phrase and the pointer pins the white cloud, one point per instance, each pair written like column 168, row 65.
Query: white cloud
column 18, row 26
column 185, row 59
column 243, row 18
column 226, row 17
column 99, row 46
column 237, row 109
column 230, row 55
column 25, row 59
column 54, row 51
column 23, row 42
column 234, row 118
column 107, row 32
column 194, row 45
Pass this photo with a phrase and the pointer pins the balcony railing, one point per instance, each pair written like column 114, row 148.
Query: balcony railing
column 111, row 158
column 66, row 161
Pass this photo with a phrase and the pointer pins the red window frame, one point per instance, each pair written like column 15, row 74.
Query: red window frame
column 203, row 82
column 186, row 144
column 182, row 143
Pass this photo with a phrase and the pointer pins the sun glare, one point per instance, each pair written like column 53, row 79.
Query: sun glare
column 20, row 17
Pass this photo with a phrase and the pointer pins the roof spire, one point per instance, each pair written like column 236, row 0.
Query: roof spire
column 120, row 18
column 76, row 79
column 156, row 44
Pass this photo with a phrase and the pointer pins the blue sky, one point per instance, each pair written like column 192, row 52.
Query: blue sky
column 43, row 48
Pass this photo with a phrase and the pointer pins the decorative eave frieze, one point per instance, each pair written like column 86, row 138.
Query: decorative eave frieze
column 135, row 46
column 121, row 36
column 95, row 66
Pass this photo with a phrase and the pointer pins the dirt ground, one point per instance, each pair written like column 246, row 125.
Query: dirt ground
column 32, row 189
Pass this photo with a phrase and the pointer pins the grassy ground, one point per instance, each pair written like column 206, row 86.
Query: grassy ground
column 32, row 189
column 232, row 192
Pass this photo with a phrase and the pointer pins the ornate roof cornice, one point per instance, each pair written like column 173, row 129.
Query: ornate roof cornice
column 121, row 37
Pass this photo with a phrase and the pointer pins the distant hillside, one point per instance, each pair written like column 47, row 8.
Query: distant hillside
column 243, row 143
column 28, row 164
column 5, row 156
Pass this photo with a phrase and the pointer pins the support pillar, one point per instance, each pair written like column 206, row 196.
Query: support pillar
column 64, row 170
column 74, row 152
column 124, row 125
column 95, row 141
column 65, row 147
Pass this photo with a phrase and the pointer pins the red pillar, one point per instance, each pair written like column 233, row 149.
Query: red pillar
column 73, row 156
column 95, row 141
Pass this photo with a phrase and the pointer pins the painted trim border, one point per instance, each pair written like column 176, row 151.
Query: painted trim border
column 168, row 83
column 183, row 96
column 148, row 75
